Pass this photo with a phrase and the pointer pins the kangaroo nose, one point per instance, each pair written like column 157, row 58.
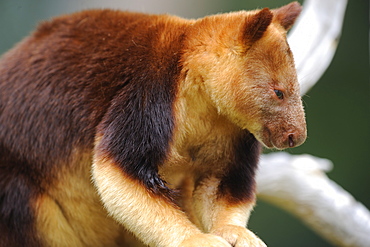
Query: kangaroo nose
column 291, row 140
column 294, row 139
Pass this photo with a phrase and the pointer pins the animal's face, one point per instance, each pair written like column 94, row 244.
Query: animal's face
column 267, row 97
column 252, row 80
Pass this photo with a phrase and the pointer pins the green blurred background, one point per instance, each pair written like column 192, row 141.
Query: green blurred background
column 337, row 108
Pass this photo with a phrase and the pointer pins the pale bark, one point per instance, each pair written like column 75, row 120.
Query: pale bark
column 298, row 184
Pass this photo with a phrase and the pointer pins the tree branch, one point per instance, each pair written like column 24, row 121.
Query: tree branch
column 314, row 39
column 299, row 185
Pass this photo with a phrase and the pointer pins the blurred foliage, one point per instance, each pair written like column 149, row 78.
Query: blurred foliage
column 337, row 108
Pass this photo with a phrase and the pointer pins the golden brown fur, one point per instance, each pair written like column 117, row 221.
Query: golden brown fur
column 127, row 129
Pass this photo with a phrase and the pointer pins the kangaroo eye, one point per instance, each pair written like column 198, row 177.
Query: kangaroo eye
column 279, row 94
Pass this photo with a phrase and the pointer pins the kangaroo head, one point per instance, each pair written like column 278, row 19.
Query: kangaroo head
column 246, row 70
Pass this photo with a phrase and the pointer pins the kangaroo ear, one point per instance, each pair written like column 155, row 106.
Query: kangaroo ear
column 287, row 14
column 256, row 25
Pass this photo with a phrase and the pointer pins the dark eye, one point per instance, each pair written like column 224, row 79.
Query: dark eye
column 279, row 94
